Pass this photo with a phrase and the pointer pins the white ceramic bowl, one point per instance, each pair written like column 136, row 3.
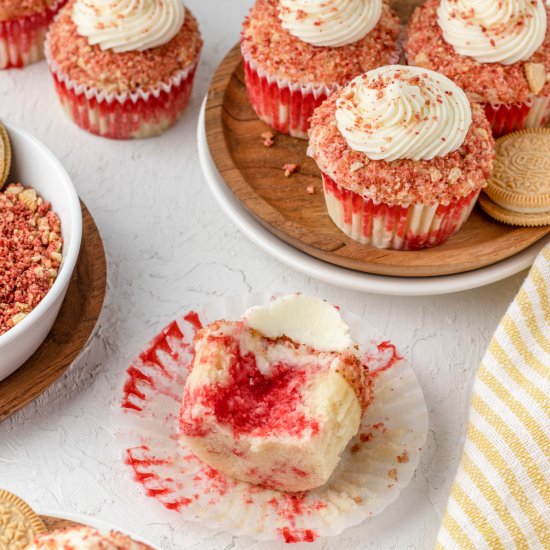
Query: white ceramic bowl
column 35, row 166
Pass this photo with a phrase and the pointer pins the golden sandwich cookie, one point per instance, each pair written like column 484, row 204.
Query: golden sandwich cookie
column 19, row 524
column 5, row 155
column 518, row 192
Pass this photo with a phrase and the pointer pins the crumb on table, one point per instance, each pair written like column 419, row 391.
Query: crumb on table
column 310, row 189
column 290, row 168
column 268, row 138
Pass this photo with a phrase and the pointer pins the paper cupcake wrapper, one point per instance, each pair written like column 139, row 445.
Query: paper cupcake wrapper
column 285, row 105
column 128, row 115
column 377, row 464
column 22, row 40
column 392, row 226
column 507, row 118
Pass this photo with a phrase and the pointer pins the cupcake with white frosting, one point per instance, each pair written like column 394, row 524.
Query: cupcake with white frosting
column 23, row 26
column 124, row 68
column 498, row 52
column 404, row 154
column 297, row 52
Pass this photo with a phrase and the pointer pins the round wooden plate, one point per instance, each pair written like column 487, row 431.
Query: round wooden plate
column 72, row 328
column 283, row 205
column 53, row 523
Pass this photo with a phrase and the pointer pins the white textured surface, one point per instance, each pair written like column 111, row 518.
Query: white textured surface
column 169, row 246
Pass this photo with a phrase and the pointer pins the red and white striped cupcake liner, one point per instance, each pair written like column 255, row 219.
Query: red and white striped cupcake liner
column 127, row 115
column 507, row 118
column 394, row 226
column 22, row 40
column 284, row 105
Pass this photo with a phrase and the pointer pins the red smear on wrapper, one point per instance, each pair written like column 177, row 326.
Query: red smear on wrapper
column 394, row 358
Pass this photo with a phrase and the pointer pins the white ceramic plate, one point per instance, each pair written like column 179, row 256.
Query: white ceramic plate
column 339, row 276
column 100, row 525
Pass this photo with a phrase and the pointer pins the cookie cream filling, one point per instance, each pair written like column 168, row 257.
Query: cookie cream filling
column 397, row 112
column 503, row 32
column 331, row 23
column 128, row 25
column 304, row 319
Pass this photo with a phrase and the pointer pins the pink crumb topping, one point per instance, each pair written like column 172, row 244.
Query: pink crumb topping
column 280, row 53
column 30, row 252
column 16, row 9
column 121, row 72
column 486, row 82
column 402, row 182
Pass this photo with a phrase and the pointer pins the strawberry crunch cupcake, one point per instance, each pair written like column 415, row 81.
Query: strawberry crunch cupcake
column 274, row 399
column 403, row 155
column 497, row 52
column 23, row 26
column 124, row 68
column 297, row 52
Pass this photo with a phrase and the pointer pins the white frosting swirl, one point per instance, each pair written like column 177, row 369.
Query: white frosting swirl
column 503, row 32
column 128, row 25
column 397, row 112
column 331, row 23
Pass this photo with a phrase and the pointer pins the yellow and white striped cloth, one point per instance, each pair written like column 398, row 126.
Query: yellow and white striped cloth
column 501, row 495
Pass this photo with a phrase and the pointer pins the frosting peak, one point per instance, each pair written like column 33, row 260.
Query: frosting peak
column 128, row 25
column 331, row 23
column 398, row 112
column 503, row 32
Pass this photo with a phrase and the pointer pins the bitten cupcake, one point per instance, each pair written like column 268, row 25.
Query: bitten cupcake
column 297, row 52
column 403, row 154
column 274, row 399
column 23, row 26
column 123, row 68
column 498, row 52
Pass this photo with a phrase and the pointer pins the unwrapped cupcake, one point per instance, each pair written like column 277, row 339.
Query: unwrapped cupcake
column 124, row 68
column 403, row 155
column 498, row 52
column 23, row 26
column 297, row 52
column 274, row 399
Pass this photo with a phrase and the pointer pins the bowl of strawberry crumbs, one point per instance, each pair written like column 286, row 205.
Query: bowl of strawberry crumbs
column 40, row 235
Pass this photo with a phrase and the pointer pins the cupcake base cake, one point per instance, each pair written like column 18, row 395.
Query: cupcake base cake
column 394, row 226
column 265, row 405
column 23, row 27
column 291, row 69
column 120, row 87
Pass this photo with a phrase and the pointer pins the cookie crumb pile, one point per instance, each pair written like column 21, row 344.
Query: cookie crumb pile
column 30, row 252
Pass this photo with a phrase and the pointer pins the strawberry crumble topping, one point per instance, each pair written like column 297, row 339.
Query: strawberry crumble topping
column 290, row 168
column 268, row 139
column 402, row 182
column 279, row 53
column 486, row 82
column 16, row 9
column 113, row 72
column 30, row 252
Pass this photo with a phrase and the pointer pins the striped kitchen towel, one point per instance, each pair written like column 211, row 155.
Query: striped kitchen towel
column 500, row 498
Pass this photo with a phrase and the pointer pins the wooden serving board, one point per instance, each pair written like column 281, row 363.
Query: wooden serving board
column 72, row 328
column 283, row 205
column 52, row 523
